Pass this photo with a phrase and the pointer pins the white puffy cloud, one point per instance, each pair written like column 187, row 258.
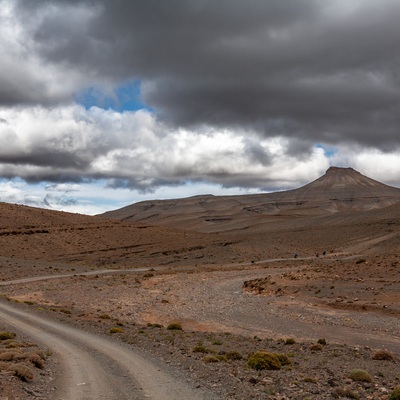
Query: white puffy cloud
column 240, row 97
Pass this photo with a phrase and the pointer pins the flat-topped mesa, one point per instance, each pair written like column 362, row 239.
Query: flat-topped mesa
column 340, row 170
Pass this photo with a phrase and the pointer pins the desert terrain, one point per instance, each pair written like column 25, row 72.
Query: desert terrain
column 196, row 286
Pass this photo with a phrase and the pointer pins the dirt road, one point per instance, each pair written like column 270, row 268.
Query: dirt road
column 94, row 367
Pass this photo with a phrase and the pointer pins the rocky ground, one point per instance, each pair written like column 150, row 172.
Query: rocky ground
column 222, row 324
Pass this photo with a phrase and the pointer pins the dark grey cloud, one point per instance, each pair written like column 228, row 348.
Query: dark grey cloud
column 307, row 69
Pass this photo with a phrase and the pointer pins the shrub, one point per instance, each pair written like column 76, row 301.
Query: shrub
column 290, row 341
column 210, row 359
column 4, row 366
column 264, row 360
column 395, row 395
column 104, row 316
column 344, row 392
column 12, row 344
column 283, row 359
column 360, row 375
column 7, row 335
column 154, row 325
column 310, row 379
column 383, row 355
column 9, row 355
column 175, row 326
column 36, row 360
column 116, row 329
column 322, row 342
column 200, row 349
column 24, row 373
column 234, row 355
column 316, row 347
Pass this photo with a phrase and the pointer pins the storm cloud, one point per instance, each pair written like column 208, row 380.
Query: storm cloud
column 232, row 90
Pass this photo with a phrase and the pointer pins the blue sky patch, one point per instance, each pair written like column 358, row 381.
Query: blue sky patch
column 329, row 151
column 125, row 97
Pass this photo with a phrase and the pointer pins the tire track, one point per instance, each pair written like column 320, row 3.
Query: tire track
column 94, row 367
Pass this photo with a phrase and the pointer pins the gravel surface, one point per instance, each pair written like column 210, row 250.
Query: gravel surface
column 222, row 320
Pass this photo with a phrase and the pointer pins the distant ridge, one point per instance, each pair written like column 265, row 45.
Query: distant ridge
column 339, row 190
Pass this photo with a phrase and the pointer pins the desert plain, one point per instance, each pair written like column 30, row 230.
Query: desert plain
column 199, row 285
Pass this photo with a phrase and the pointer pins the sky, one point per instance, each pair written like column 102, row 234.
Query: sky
column 107, row 103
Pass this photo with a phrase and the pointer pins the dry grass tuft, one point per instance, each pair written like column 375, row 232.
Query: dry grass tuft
column 23, row 372
column 10, row 355
column 383, row 355
column 35, row 360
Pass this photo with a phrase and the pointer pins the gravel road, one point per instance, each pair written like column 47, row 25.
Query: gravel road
column 94, row 367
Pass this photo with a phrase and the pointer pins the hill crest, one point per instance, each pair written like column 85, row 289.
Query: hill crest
column 338, row 190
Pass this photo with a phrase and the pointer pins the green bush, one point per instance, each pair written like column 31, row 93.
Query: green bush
column 264, row 360
column 395, row 395
column 360, row 375
column 290, row 341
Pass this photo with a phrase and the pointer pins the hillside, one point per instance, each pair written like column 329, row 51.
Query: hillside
column 35, row 236
column 340, row 190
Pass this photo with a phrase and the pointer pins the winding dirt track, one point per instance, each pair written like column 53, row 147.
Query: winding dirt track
column 95, row 367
